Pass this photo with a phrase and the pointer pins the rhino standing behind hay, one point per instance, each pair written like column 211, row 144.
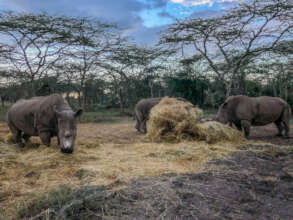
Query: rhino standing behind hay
column 142, row 112
column 46, row 117
column 245, row 111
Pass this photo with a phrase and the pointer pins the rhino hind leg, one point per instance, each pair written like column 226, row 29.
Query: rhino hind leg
column 144, row 127
column 287, row 128
column 280, row 128
column 286, row 120
column 245, row 124
column 16, row 135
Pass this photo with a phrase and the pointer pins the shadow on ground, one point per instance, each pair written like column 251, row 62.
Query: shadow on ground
column 255, row 183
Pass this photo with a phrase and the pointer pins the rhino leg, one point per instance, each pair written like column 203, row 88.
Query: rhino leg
column 238, row 126
column 286, row 120
column 280, row 128
column 287, row 128
column 26, row 137
column 246, row 126
column 137, row 125
column 16, row 135
column 18, row 139
column 144, row 127
column 45, row 138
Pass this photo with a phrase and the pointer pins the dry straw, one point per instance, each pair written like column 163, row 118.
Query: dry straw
column 173, row 120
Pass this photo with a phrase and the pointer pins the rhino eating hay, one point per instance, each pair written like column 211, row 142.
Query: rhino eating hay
column 46, row 117
column 142, row 112
column 244, row 111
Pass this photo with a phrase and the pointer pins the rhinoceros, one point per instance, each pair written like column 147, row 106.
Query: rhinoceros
column 244, row 111
column 46, row 117
column 142, row 111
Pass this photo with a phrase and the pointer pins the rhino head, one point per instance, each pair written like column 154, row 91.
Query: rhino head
column 222, row 115
column 67, row 128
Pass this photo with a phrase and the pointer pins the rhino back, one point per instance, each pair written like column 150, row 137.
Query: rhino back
column 145, row 105
column 36, row 114
column 269, row 109
column 45, row 115
column 22, row 115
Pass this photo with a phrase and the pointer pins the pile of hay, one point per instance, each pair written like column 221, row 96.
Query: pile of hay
column 173, row 120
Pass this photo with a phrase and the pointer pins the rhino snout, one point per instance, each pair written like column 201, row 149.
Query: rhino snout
column 67, row 146
column 67, row 150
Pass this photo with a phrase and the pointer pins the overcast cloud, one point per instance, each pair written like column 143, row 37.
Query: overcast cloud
column 141, row 19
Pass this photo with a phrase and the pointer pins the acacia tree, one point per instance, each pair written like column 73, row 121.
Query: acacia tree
column 130, row 62
column 229, row 42
column 37, row 41
column 96, row 40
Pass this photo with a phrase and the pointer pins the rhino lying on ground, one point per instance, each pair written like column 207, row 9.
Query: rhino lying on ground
column 244, row 111
column 46, row 117
column 142, row 111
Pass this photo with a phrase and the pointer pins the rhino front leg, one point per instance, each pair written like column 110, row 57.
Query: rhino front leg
column 45, row 138
column 245, row 124
column 18, row 139
column 26, row 137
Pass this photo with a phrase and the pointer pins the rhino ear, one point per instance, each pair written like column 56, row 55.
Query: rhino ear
column 78, row 113
column 58, row 113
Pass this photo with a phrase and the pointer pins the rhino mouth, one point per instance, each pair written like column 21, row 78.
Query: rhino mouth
column 66, row 150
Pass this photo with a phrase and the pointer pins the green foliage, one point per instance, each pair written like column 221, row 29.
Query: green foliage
column 105, row 116
column 190, row 88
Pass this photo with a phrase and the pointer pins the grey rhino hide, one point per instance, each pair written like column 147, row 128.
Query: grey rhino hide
column 46, row 117
column 142, row 111
column 244, row 111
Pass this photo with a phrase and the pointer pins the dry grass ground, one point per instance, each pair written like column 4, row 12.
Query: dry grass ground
column 105, row 154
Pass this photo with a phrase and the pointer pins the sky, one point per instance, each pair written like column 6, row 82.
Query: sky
column 142, row 20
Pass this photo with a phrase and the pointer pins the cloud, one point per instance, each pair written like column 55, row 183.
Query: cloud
column 141, row 19
column 192, row 3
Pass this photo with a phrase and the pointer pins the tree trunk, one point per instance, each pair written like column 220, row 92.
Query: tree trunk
column 151, row 88
column 121, row 99
column 79, row 98
column 2, row 101
column 228, row 88
column 33, row 87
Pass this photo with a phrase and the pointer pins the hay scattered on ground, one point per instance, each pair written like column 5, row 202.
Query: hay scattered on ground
column 8, row 138
column 173, row 120
column 104, row 154
column 213, row 132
